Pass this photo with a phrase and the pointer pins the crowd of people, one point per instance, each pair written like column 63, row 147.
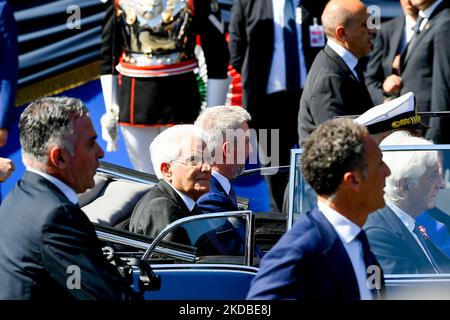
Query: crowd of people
column 302, row 64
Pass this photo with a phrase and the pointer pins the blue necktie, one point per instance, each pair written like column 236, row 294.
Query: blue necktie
column 291, row 48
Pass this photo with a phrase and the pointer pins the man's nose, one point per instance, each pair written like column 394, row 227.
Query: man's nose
column 387, row 171
column 101, row 153
column 440, row 182
column 206, row 167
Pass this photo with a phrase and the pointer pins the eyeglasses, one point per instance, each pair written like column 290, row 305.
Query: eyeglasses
column 195, row 161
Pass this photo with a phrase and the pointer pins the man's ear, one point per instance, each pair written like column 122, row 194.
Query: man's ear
column 165, row 170
column 352, row 180
column 340, row 33
column 226, row 148
column 57, row 157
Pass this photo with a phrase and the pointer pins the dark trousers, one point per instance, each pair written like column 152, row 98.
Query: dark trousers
column 277, row 111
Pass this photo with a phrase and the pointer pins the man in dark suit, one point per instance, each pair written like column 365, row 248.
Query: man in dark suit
column 382, row 76
column 273, row 53
column 326, row 254
column 425, row 65
column 229, row 141
column 335, row 85
column 181, row 162
column 398, row 242
column 48, row 248
column 259, row 50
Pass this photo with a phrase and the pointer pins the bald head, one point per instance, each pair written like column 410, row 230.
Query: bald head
column 345, row 22
column 340, row 13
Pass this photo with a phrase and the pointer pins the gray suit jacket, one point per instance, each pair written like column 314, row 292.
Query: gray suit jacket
column 395, row 247
column 386, row 47
column 426, row 72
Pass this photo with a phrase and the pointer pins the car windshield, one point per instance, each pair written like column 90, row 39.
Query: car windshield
column 411, row 233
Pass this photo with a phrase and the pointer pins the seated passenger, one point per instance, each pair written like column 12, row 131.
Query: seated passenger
column 399, row 244
column 223, row 126
column 178, row 157
column 228, row 139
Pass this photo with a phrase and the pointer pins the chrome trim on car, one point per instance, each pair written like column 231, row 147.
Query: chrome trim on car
column 250, row 224
column 144, row 246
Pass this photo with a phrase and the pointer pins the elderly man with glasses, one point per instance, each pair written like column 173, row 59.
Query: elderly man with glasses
column 180, row 159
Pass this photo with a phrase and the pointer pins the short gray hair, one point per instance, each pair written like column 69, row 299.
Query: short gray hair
column 334, row 148
column 215, row 122
column 49, row 122
column 405, row 164
column 167, row 146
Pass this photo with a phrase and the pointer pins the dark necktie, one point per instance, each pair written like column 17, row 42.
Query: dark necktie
column 359, row 68
column 370, row 260
column 291, row 48
column 233, row 196
column 428, row 246
column 408, row 48
column 196, row 210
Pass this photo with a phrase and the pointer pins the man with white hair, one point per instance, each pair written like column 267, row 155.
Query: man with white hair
column 181, row 162
column 398, row 243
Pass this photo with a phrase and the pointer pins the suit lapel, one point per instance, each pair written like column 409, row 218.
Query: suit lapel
column 165, row 188
column 215, row 186
column 397, row 37
column 336, row 256
column 39, row 182
column 428, row 27
column 340, row 62
column 396, row 224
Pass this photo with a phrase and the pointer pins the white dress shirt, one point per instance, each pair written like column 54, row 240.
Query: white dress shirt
column 277, row 75
column 410, row 23
column 64, row 188
column 350, row 60
column 188, row 201
column 410, row 224
column 347, row 232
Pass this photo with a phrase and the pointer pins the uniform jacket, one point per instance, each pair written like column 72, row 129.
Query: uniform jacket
column 165, row 98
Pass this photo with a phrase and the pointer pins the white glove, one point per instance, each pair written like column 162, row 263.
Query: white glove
column 109, row 120
column 216, row 91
